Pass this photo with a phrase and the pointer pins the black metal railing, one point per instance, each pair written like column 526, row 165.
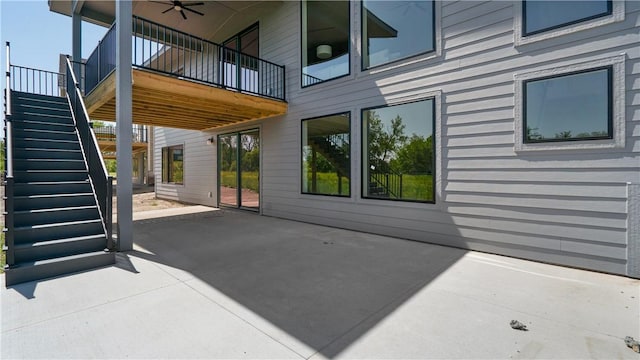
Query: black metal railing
column 101, row 181
column 36, row 81
column 389, row 180
column 172, row 52
column 8, row 171
column 108, row 133
column 310, row 80
column 102, row 60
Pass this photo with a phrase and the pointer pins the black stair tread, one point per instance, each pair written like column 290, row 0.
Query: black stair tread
column 54, row 225
column 49, row 149
column 68, row 208
column 57, row 259
column 48, row 160
column 60, row 241
column 18, row 116
column 50, row 132
column 28, row 122
column 51, row 182
column 52, row 195
column 50, row 140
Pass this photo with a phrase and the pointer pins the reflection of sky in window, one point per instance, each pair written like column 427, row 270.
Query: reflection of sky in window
column 576, row 103
column 417, row 117
column 546, row 14
column 329, row 69
column 413, row 22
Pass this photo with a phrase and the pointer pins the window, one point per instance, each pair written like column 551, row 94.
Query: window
column 326, row 165
column 399, row 152
column 325, row 41
column 574, row 106
column 240, row 71
column 394, row 30
column 173, row 164
column 545, row 15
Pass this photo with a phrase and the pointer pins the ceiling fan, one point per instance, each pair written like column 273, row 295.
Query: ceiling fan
column 180, row 6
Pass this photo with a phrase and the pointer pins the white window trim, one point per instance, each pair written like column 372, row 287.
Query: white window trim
column 617, row 15
column 618, row 104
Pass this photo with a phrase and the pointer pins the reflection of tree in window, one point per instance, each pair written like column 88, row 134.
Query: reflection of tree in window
column 326, row 164
column 399, row 166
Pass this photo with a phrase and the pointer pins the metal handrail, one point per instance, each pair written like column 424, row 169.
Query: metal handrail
column 108, row 133
column 36, row 81
column 161, row 49
column 8, row 178
column 100, row 180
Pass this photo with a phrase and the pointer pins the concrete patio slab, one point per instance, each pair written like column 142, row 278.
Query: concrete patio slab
column 228, row 284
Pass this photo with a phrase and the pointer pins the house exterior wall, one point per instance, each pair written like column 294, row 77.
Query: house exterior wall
column 570, row 206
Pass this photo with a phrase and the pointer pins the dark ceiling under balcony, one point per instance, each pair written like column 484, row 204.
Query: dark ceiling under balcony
column 214, row 25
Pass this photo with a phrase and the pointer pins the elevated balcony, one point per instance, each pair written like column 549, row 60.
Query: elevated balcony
column 183, row 81
column 106, row 137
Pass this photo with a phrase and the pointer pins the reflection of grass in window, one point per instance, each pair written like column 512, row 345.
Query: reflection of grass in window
column 177, row 172
column 417, row 187
column 327, row 183
column 249, row 180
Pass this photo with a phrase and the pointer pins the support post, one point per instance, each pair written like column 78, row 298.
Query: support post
column 124, row 128
column 76, row 36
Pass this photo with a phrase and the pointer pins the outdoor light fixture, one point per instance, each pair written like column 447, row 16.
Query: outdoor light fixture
column 211, row 141
column 324, row 51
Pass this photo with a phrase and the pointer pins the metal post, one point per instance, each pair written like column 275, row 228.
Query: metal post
column 124, row 124
column 8, row 87
column 76, row 51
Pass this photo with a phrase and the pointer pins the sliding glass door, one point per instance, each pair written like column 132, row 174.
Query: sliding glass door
column 239, row 169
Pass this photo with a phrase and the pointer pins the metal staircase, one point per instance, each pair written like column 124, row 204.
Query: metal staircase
column 54, row 223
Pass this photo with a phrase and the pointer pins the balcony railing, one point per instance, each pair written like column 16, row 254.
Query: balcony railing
column 172, row 52
column 108, row 133
column 37, row 81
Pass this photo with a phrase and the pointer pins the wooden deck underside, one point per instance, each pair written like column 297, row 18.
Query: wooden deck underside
column 107, row 146
column 160, row 100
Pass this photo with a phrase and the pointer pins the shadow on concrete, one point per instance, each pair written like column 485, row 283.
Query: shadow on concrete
column 316, row 283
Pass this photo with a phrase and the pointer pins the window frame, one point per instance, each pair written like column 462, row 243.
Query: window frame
column 617, row 104
column 350, row 155
column 565, row 24
column 610, row 134
column 365, row 153
column 362, row 40
column 350, row 15
column 521, row 39
column 166, row 171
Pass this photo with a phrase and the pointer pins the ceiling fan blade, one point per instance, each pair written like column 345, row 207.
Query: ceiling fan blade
column 169, row 9
column 183, row 15
column 193, row 11
column 192, row 3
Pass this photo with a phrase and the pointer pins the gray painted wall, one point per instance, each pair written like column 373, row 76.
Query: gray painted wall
column 568, row 206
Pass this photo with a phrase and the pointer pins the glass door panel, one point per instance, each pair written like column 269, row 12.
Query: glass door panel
column 228, row 179
column 250, row 169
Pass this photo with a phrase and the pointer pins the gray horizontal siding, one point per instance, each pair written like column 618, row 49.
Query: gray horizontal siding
column 567, row 207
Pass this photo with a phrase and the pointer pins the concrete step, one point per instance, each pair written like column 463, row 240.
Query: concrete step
column 42, row 269
column 55, row 215
column 38, row 153
column 51, row 188
column 39, row 202
column 46, row 144
column 45, row 134
column 60, row 247
column 37, row 233
column 48, row 164
column 24, row 176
